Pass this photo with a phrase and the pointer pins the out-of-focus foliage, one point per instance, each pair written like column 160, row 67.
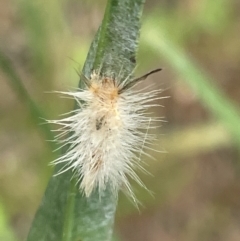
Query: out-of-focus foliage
column 5, row 231
column 201, row 84
column 195, row 184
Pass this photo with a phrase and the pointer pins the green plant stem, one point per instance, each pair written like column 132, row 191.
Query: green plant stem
column 65, row 214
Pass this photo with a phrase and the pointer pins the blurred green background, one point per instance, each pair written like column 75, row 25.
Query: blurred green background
column 196, row 179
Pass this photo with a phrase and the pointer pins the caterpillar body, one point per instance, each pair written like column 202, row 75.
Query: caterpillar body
column 108, row 133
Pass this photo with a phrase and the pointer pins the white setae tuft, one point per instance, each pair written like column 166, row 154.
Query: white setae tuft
column 107, row 134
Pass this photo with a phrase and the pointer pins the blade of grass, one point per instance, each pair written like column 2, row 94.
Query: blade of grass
column 16, row 84
column 201, row 83
column 6, row 232
column 64, row 213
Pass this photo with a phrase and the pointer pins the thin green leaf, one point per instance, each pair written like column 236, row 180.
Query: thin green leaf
column 16, row 84
column 200, row 82
column 6, row 233
column 65, row 214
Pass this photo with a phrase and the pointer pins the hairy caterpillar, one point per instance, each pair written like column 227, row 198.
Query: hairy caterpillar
column 108, row 132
